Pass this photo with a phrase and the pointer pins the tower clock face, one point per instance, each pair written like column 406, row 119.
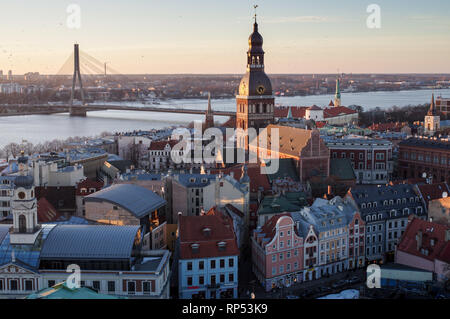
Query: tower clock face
column 260, row 89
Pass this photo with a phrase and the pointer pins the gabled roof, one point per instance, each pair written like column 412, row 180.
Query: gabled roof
column 88, row 184
column 291, row 140
column 137, row 200
column 430, row 231
column 161, row 145
column 192, row 231
column 296, row 111
column 430, row 192
column 342, row 169
column 61, row 197
column 46, row 212
column 337, row 111
column 257, row 179
column 89, row 242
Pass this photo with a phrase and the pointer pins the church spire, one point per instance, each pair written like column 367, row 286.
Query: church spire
column 432, row 110
column 337, row 96
column 209, row 121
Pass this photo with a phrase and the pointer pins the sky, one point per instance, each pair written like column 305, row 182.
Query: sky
column 210, row 36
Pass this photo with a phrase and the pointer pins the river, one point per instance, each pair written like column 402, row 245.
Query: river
column 41, row 128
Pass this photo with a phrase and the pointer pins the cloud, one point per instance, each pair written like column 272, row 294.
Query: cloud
column 297, row 19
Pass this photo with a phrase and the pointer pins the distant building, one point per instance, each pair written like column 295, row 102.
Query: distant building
column 419, row 155
column 443, row 106
column 432, row 120
column 371, row 159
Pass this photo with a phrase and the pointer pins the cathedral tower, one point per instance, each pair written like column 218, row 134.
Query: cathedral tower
column 255, row 102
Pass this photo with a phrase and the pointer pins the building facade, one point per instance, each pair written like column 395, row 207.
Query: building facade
column 419, row 155
column 277, row 253
column 371, row 158
column 208, row 257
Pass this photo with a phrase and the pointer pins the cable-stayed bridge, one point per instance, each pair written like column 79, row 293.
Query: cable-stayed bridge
column 79, row 63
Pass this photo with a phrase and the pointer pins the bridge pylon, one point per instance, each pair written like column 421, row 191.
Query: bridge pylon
column 77, row 110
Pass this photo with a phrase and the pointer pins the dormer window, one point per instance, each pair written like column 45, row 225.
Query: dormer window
column 195, row 248
column 206, row 231
column 222, row 245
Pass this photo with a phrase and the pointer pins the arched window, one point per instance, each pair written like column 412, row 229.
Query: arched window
column 22, row 224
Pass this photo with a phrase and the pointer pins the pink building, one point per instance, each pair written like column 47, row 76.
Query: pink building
column 426, row 245
column 277, row 252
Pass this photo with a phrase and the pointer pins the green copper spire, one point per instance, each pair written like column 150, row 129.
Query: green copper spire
column 289, row 115
column 338, row 89
column 337, row 96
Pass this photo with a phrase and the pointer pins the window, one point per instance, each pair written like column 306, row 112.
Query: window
column 1, row 285
column 230, row 277
column 111, row 286
column 201, row 265
column 222, row 278
column 50, row 283
column 213, row 280
column 201, row 280
column 222, row 263
column 131, row 285
column 28, row 285
column 96, row 285
column 189, row 265
column 146, row 286
column 14, row 285
column 231, row 262
column 213, row 264
column 189, row 281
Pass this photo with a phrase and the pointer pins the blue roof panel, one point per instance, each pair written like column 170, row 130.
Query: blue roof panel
column 90, row 241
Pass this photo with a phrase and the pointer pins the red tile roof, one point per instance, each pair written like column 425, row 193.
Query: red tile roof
column 320, row 124
column 191, row 231
column 433, row 191
column 46, row 212
column 391, row 126
column 441, row 248
column 253, row 171
column 88, row 184
column 297, row 111
column 337, row 111
column 161, row 145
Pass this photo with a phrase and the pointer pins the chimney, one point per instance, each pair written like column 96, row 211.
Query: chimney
column 419, row 239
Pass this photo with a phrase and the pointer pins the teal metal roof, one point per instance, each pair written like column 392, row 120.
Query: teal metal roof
column 89, row 241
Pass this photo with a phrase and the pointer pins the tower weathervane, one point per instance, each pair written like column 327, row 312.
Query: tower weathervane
column 255, row 6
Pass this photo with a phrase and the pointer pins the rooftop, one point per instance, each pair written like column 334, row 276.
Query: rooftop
column 138, row 200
